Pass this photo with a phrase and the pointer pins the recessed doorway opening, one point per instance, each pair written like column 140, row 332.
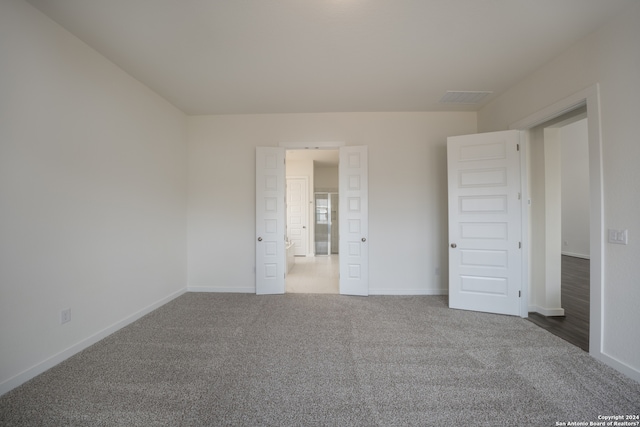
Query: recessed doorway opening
column 312, row 221
column 559, row 155
column 588, row 98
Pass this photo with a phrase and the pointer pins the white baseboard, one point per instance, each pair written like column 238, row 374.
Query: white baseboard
column 619, row 366
column 408, row 291
column 583, row 256
column 250, row 290
column 546, row 311
column 50, row 362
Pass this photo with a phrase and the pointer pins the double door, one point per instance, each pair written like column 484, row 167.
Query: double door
column 271, row 220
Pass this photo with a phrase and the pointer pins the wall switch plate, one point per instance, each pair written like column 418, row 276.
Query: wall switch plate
column 619, row 237
column 65, row 316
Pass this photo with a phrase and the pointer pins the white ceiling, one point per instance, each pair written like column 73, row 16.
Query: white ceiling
column 300, row 56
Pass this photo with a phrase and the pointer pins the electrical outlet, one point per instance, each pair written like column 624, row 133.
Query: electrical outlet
column 65, row 316
column 620, row 237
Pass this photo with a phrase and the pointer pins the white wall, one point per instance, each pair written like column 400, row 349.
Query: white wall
column 407, row 192
column 544, row 157
column 553, row 222
column 611, row 58
column 93, row 194
column 326, row 178
column 575, row 189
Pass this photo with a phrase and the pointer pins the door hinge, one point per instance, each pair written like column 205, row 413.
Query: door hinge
column 519, row 195
column 519, row 294
column 519, row 245
column 517, row 147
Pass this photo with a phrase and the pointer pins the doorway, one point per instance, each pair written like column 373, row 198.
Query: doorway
column 314, row 268
column 271, row 235
column 588, row 98
column 560, row 243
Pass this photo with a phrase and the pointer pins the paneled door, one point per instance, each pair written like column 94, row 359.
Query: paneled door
column 270, row 220
column 485, row 222
column 298, row 214
column 354, row 221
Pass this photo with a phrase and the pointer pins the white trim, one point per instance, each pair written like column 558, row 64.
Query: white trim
column 574, row 255
column 392, row 292
column 525, row 206
column 619, row 366
column 547, row 311
column 215, row 289
column 310, row 145
column 561, row 107
column 52, row 361
column 591, row 98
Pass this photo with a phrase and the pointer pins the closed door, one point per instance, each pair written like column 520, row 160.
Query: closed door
column 298, row 214
column 485, row 232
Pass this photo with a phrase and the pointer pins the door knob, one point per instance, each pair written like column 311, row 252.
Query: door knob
column 453, row 245
column 364, row 239
column 259, row 239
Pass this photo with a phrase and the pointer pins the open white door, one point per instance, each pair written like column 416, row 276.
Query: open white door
column 354, row 221
column 485, row 222
column 270, row 220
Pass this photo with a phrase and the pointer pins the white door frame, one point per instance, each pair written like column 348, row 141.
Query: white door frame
column 591, row 98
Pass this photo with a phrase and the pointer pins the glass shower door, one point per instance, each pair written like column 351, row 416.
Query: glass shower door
column 322, row 219
column 326, row 223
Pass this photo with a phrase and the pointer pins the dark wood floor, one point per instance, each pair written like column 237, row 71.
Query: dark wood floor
column 574, row 326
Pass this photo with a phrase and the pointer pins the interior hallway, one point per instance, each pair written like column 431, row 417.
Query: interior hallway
column 314, row 275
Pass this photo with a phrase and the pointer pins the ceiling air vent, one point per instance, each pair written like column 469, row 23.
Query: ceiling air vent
column 464, row 97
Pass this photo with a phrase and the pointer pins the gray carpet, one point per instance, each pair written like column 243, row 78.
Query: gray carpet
column 325, row 360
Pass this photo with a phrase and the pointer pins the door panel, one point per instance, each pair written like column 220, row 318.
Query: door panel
column 353, row 217
column 270, row 220
column 485, row 259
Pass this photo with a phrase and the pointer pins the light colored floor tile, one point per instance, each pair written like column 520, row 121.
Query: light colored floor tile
column 314, row 275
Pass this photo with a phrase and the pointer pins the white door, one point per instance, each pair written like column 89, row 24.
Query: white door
column 298, row 214
column 270, row 220
column 354, row 221
column 485, row 223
